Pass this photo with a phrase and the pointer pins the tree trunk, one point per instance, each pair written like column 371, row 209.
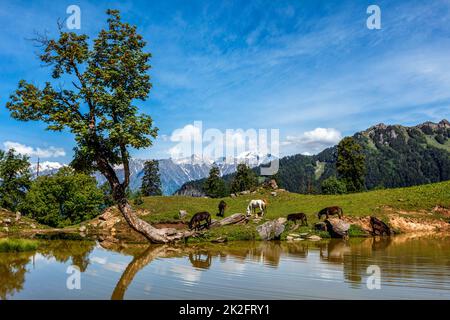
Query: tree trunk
column 155, row 235
column 139, row 262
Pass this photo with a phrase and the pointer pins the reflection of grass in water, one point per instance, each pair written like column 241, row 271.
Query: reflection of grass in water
column 17, row 245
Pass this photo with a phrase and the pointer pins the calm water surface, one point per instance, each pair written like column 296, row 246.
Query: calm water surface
column 411, row 267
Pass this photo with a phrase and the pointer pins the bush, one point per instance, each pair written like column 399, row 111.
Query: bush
column 332, row 185
column 65, row 198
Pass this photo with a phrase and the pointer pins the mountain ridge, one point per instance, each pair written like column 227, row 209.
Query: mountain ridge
column 396, row 156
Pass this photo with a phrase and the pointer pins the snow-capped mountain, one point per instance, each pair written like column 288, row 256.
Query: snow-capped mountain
column 45, row 168
column 173, row 172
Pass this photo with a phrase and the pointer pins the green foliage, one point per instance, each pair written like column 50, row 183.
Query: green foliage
column 17, row 245
column 63, row 199
column 214, row 186
column 244, row 179
column 14, row 179
column 332, row 185
column 356, row 231
column 350, row 164
column 440, row 138
column 151, row 182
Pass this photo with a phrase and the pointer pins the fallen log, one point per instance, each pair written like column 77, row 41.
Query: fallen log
column 237, row 218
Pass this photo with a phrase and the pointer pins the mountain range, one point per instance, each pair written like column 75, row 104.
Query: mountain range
column 173, row 172
column 396, row 156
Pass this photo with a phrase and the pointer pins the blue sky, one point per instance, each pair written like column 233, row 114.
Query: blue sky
column 311, row 69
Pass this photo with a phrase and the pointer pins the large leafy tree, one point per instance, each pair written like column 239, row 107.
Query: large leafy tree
column 350, row 164
column 14, row 179
column 245, row 179
column 151, row 183
column 63, row 199
column 107, row 76
column 214, row 186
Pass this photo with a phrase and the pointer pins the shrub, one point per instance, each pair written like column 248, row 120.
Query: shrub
column 63, row 199
column 332, row 185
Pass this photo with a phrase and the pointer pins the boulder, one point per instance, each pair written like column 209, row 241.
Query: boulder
column 271, row 184
column 271, row 230
column 233, row 195
column 273, row 194
column 18, row 216
column 182, row 214
column 82, row 229
column 7, row 221
column 289, row 238
column 281, row 220
column 244, row 192
column 314, row 238
column 337, row 228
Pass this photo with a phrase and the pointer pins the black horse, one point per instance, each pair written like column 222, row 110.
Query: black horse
column 196, row 220
column 298, row 217
column 331, row 211
column 222, row 207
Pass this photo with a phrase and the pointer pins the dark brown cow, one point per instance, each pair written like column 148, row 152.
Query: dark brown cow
column 331, row 211
column 298, row 217
column 196, row 220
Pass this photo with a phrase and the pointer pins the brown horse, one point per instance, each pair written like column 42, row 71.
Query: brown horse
column 222, row 207
column 331, row 211
column 298, row 216
column 196, row 220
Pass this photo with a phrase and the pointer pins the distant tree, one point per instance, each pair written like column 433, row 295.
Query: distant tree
column 350, row 164
column 332, row 185
column 244, row 179
column 151, row 182
column 103, row 79
column 63, row 199
column 14, row 179
column 214, row 186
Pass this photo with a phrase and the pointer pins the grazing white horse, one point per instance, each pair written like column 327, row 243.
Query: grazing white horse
column 261, row 204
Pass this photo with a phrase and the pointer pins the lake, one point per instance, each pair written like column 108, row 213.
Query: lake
column 410, row 267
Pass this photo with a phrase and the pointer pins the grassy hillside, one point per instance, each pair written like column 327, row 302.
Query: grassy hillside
column 424, row 197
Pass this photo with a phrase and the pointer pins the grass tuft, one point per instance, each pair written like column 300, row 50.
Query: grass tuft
column 17, row 245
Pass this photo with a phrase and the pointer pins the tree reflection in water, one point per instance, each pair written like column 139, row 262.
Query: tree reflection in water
column 12, row 272
column 13, row 266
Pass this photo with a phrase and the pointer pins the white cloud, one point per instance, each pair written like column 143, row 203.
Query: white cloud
column 50, row 152
column 311, row 142
column 185, row 138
